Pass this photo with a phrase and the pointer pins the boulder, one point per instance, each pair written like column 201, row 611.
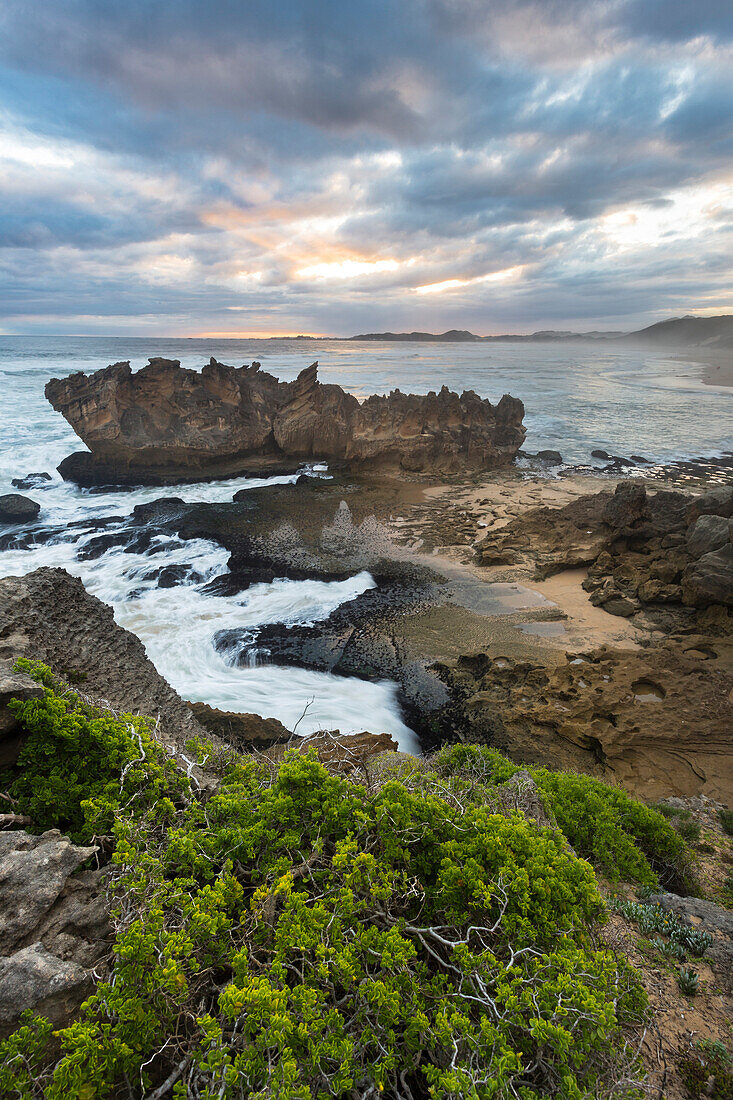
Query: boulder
column 15, row 508
column 54, row 926
column 166, row 422
column 552, row 458
column 707, row 534
column 244, row 731
column 710, row 579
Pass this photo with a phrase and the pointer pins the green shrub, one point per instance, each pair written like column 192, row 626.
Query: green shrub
column 622, row 838
column 688, row 828
column 297, row 937
column 80, row 765
column 708, row 1059
column 726, row 821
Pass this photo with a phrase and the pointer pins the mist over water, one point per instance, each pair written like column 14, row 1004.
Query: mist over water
column 577, row 398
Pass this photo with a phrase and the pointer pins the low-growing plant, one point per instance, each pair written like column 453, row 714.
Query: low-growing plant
column 296, row 936
column 726, row 821
column 688, row 980
column 652, row 918
column 622, row 837
column 80, row 764
column 708, row 1061
column 670, row 948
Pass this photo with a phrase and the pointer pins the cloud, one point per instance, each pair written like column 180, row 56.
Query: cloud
column 313, row 164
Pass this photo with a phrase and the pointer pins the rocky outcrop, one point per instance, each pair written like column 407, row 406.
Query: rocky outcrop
column 49, row 616
column 665, row 555
column 18, row 686
column 15, row 508
column 167, row 422
column 656, row 721
column 54, row 926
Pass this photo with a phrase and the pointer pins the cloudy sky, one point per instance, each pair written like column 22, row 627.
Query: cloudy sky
column 335, row 166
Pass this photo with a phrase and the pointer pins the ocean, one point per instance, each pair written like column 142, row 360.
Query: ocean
column 577, row 398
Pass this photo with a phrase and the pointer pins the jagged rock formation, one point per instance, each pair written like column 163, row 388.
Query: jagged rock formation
column 166, row 423
column 54, row 926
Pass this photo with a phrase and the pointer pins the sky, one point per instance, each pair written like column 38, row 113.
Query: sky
column 181, row 167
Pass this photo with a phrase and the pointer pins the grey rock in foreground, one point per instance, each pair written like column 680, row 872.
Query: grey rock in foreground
column 54, row 926
column 48, row 615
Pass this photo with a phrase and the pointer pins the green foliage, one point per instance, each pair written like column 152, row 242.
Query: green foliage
column 670, row 948
column 652, row 918
column 79, row 765
column 623, row 838
column 296, row 937
column 726, row 821
column 688, row 980
column 23, row 1057
column 688, row 828
column 708, row 1059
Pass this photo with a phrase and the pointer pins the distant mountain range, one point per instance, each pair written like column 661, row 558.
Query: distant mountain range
column 680, row 332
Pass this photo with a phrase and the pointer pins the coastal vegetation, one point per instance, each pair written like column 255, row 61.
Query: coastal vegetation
column 295, row 934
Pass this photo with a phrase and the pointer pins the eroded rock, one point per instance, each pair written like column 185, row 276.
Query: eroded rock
column 48, row 615
column 54, row 926
column 167, row 420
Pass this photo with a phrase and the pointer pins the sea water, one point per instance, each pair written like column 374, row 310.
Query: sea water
column 577, row 398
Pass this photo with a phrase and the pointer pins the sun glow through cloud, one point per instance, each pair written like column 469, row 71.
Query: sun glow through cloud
column 501, row 167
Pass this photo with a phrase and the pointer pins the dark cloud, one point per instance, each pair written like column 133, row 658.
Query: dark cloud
column 212, row 165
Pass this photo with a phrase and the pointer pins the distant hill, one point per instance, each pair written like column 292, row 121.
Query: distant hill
column 679, row 332
column 453, row 336
column 687, row 332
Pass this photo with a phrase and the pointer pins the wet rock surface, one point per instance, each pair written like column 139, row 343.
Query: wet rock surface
column 54, row 926
column 31, row 481
column 15, row 508
column 167, row 421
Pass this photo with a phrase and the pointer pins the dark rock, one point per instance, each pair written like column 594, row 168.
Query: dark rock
column 157, row 511
column 31, row 481
column 707, row 534
column 552, row 458
column 15, row 508
column 640, row 458
column 171, row 576
column 604, row 455
column 710, row 579
column 244, row 731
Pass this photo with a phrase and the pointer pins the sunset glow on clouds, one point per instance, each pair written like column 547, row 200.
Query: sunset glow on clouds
column 174, row 167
